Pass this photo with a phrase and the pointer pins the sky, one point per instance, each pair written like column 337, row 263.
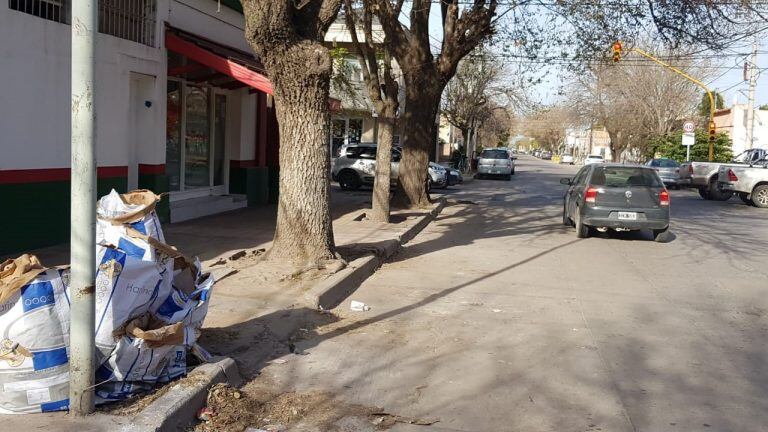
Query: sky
column 727, row 70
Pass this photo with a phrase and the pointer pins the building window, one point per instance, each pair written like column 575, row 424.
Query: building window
column 54, row 10
column 133, row 20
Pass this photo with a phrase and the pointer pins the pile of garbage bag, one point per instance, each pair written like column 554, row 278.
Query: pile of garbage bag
column 151, row 301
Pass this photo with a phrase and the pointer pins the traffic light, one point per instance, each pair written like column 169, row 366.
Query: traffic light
column 712, row 131
column 616, row 51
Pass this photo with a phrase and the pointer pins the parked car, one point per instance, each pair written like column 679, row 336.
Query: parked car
column 438, row 176
column 496, row 162
column 356, row 166
column 668, row 169
column 567, row 159
column 704, row 175
column 750, row 183
column 618, row 197
column 546, row 155
column 536, row 153
column 454, row 177
column 593, row 159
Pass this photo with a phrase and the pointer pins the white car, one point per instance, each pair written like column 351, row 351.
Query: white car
column 593, row 159
column 567, row 159
column 496, row 162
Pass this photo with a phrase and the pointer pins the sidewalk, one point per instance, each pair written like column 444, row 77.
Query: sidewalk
column 252, row 316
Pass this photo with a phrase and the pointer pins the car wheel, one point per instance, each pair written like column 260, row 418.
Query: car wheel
column 582, row 231
column 716, row 193
column 744, row 197
column 349, row 180
column 661, row 235
column 704, row 193
column 760, row 196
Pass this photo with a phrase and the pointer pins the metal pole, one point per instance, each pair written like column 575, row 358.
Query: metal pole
column 751, row 99
column 687, row 153
column 83, row 213
column 695, row 81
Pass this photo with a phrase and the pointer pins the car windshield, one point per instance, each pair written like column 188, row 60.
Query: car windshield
column 664, row 163
column 494, row 154
column 594, row 157
column 624, row 176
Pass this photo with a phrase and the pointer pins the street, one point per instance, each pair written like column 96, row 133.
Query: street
column 497, row 318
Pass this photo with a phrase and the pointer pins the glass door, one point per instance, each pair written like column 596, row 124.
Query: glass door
column 197, row 148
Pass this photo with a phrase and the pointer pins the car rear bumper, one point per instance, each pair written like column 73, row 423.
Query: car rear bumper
column 494, row 170
column 609, row 218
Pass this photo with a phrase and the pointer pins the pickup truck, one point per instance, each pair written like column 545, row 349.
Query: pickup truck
column 704, row 175
column 750, row 183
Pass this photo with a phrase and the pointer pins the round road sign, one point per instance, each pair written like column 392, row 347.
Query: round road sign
column 689, row 127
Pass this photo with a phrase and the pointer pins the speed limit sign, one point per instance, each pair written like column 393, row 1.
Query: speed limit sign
column 689, row 127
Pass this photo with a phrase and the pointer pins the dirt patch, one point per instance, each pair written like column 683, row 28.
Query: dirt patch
column 234, row 410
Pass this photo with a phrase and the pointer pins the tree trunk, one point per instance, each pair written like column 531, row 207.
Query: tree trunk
column 381, row 182
column 301, row 74
column 421, row 105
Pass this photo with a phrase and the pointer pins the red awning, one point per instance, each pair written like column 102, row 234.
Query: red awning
column 239, row 65
column 215, row 57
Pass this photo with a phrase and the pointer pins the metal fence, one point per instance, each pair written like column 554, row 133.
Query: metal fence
column 133, row 20
column 54, row 10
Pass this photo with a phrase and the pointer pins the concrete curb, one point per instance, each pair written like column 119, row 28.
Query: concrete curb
column 175, row 410
column 332, row 291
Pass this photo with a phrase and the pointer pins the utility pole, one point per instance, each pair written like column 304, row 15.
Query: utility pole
column 83, row 213
column 751, row 98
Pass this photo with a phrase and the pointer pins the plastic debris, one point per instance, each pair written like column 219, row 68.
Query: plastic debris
column 205, row 414
column 359, row 306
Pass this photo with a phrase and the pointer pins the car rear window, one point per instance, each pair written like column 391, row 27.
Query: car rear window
column 594, row 157
column 624, row 176
column 494, row 154
column 664, row 163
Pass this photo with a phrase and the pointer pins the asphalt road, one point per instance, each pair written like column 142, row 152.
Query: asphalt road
column 497, row 318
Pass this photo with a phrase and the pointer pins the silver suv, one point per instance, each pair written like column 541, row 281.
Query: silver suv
column 356, row 166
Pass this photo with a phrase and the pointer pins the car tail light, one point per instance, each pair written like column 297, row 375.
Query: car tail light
column 690, row 169
column 732, row 176
column 664, row 198
column 590, row 196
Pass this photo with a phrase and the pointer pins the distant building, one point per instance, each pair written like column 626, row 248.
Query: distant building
column 585, row 141
column 733, row 121
column 356, row 122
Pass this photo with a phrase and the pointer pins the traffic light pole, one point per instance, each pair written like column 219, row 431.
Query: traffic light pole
column 698, row 83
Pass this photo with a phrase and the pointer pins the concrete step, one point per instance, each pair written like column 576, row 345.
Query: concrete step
column 194, row 208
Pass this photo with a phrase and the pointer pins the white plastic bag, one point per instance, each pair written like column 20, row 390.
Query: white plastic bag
column 34, row 337
column 136, row 210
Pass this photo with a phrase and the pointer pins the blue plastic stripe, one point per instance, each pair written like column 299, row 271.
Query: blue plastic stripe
column 130, row 248
column 61, row 405
column 48, row 359
column 37, row 295
column 140, row 227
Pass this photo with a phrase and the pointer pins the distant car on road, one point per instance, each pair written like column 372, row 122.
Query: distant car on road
column 593, row 159
column 618, row 197
column 536, row 153
column 668, row 169
column 496, row 162
column 546, row 155
column 567, row 159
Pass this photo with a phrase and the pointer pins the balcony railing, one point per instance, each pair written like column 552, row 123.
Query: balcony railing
column 133, row 20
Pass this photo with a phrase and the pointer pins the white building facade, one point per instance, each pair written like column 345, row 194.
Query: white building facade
column 170, row 115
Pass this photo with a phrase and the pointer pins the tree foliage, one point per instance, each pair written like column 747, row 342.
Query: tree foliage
column 703, row 108
column 670, row 146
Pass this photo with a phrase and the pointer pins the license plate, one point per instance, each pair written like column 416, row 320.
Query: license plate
column 495, row 171
column 627, row 215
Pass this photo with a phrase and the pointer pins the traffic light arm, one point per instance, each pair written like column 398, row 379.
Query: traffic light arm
column 693, row 80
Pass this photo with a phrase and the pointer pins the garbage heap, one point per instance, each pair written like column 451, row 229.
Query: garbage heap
column 151, row 301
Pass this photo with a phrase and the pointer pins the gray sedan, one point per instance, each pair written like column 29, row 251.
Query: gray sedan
column 618, row 197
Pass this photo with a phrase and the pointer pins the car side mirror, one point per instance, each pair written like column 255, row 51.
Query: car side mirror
column 566, row 181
